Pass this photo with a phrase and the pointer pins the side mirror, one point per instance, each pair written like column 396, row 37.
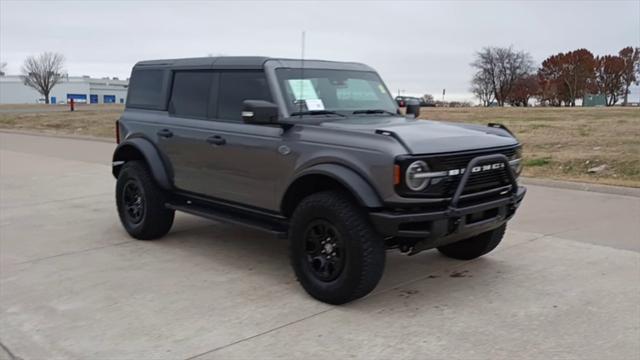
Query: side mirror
column 259, row 112
column 413, row 108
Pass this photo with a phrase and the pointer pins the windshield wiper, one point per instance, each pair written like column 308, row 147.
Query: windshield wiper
column 316, row 112
column 374, row 111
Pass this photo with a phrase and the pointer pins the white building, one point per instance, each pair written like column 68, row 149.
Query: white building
column 82, row 89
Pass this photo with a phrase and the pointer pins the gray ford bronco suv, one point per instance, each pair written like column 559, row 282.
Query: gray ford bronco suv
column 315, row 151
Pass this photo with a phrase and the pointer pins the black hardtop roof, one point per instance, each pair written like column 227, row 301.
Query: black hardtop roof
column 248, row 62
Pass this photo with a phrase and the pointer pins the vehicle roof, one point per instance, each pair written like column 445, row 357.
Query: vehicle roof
column 248, row 62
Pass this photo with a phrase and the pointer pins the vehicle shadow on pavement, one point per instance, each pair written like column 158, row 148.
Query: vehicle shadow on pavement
column 229, row 246
column 236, row 248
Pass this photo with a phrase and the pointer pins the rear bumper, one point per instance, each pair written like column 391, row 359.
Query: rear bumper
column 438, row 228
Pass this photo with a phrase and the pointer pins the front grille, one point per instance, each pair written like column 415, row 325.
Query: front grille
column 476, row 183
column 453, row 161
column 482, row 181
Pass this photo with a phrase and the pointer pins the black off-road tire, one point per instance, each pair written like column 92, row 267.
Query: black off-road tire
column 362, row 249
column 155, row 219
column 475, row 246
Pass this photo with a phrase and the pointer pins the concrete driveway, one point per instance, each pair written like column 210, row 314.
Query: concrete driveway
column 565, row 283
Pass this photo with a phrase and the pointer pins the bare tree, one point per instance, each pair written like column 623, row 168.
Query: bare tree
column 482, row 88
column 428, row 99
column 43, row 72
column 502, row 67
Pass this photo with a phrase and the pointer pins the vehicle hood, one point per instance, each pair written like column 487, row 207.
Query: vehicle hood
column 426, row 136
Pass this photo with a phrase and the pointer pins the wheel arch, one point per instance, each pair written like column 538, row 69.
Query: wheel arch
column 328, row 177
column 143, row 150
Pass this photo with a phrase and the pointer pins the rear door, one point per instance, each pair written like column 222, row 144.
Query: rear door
column 211, row 151
column 182, row 138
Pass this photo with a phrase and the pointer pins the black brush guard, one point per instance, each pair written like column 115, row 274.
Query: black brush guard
column 496, row 158
column 437, row 228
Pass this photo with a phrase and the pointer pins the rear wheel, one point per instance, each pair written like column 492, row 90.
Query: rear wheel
column 474, row 247
column 140, row 203
column 336, row 254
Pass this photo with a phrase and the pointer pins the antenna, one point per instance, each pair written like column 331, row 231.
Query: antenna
column 302, row 73
column 302, row 47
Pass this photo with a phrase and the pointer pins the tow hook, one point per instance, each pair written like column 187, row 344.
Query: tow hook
column 513, row 204
column 454, row 224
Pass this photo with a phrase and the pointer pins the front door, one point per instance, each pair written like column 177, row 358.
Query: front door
column 243, row 162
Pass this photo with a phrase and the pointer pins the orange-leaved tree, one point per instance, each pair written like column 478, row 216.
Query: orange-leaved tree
column 572, row 74
column 609, row 72
column 524, row 89
column 631, row 73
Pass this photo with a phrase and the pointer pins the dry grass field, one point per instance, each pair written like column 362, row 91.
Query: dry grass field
column 564, row 143
column 87, row 120
column 559, row 143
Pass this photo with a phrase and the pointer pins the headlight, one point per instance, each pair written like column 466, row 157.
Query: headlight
column 413, row 177
column 515, row 161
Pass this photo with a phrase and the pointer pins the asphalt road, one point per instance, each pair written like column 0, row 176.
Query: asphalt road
column 565, row 283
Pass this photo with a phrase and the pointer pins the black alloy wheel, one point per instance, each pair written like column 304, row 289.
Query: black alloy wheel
column 133, row 200
column 325, row 250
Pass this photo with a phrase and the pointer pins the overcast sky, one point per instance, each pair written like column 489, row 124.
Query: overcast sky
column 420, row 47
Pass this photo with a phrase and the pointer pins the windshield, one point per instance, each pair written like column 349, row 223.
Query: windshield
column 334, row 92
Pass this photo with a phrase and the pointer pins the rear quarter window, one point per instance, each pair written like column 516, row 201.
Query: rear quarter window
column 147, row 89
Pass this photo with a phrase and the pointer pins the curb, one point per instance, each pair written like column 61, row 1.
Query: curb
column 569, row 185
column 60, row 136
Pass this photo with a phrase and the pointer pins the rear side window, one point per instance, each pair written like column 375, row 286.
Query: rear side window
column 237, row 86
column 190, row 93
column 146, row 89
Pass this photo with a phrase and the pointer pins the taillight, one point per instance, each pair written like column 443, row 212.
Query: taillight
column 117, row 131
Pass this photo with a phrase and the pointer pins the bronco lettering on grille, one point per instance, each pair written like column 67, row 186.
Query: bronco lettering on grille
column 477, row 169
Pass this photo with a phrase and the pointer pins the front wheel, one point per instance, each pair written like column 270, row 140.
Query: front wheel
column 336, row 254
column 474, row 247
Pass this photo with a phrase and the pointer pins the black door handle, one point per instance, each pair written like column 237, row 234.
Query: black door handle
column 165, row 133
column 216, row 140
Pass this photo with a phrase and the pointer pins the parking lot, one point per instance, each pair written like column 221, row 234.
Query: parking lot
column 565, row 283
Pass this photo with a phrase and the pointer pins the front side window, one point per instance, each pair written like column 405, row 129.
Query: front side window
column 238, row 86
column 190, row 93
column 339, row 91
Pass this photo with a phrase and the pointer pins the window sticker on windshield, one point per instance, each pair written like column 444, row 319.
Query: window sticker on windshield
column 302, row 89
column 381, row 88
column 314, row 104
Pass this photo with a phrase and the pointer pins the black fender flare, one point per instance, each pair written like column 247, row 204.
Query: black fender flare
column 356, row 184
column 150, row 154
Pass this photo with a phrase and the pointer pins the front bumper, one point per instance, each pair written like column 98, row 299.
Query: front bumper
column 463, row 220
column 436, row 228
